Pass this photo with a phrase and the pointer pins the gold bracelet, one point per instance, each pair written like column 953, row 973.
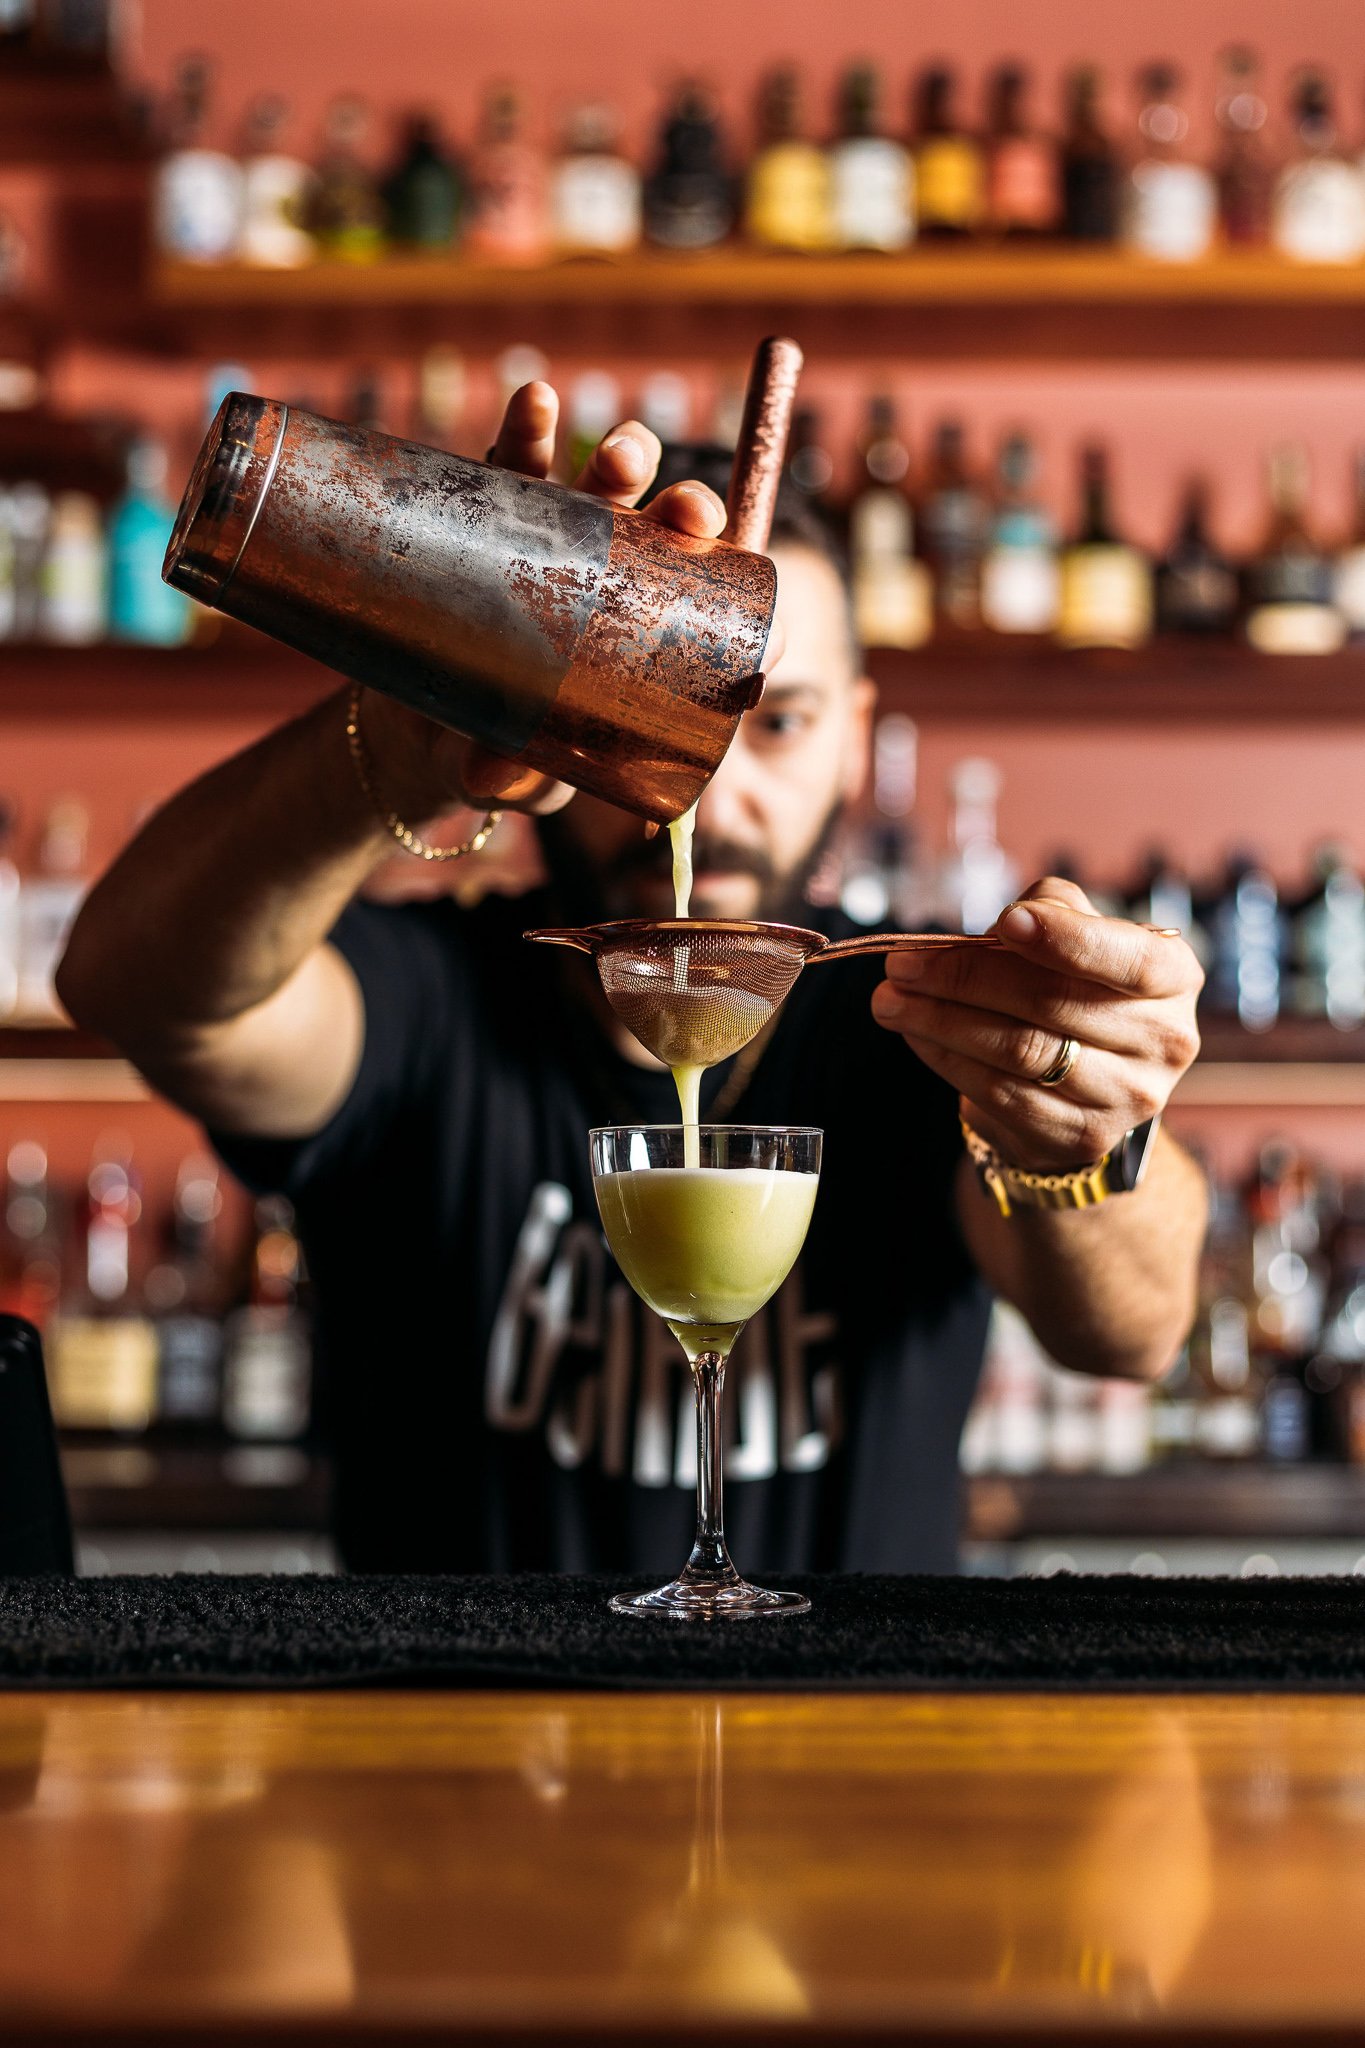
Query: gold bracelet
column 1084, row 1187
column 391, row 821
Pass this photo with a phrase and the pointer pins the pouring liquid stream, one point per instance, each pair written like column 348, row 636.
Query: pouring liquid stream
column 687, row 1078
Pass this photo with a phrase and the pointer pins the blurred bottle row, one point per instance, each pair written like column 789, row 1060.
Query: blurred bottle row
column 1274, row 1368
column 880, row 183
column 154, row 1326
column 73, row 572
column 1266, row 953
column 949, row 547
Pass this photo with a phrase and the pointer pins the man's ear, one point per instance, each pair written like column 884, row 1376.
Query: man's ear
column 858, row 760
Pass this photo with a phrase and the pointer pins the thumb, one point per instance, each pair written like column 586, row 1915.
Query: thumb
column 492, row 779
column 1056, row 889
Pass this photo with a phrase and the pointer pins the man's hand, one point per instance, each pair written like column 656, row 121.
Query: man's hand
column 991, row 1022
column 423, row 769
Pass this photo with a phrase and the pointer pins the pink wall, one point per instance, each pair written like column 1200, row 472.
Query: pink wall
column 1106, row 793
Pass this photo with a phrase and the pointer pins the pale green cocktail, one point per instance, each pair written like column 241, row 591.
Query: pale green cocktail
column 706, row 1246
column 706, row 1221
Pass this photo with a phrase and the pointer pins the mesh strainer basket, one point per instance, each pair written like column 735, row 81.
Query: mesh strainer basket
column 695, row 990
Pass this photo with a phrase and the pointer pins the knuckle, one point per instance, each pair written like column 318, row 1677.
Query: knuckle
column 1034, row 1050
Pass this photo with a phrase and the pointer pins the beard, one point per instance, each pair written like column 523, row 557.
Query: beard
column 591, row 892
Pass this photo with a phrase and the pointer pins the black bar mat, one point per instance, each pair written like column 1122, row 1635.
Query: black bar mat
column 1065, row 1634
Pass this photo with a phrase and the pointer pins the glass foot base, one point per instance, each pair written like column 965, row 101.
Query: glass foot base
column 685, row 1600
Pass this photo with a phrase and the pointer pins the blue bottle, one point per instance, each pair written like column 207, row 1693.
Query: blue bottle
column 141, row 607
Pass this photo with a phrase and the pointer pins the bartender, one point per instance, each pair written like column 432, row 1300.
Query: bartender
column 421, row 1083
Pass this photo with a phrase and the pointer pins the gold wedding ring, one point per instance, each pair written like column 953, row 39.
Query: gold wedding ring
column 1061, row 1066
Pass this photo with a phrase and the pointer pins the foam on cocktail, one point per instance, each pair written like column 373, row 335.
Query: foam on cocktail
column 705, row 1247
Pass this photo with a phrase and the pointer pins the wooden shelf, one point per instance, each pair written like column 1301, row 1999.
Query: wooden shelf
column 974, row 276
column 1171, row 682
column 127, row 1485
column 1054, row 303
column 1195, row 1499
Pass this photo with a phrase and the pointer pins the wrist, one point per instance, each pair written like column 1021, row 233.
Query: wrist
column 404, row 754
column 1028, row 1151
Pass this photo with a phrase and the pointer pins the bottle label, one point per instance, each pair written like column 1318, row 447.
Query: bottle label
column 1106, row 597
column 199, row 206
column 190, row 1377
column 1020, row 590
column 1023, row 183
column 1320, row 212
column 871, row 194
column 948, row 182
column 266, row 1375
column 1172, row 211
column 597, row 204
column 103, row 1372
column 275, row 194
column 893, row 602
column 789, row 198
column 1349, row 588
column 1296, row 628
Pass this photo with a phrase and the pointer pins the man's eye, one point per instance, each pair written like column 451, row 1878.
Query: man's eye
column 781, row 725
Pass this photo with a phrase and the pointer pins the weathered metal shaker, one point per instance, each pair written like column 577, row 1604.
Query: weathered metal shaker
column 592, row 644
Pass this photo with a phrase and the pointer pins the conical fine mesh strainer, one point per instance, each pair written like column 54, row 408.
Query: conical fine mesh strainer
column 694, row 991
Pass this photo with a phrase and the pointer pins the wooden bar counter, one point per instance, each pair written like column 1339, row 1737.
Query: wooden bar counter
column 532, row 1867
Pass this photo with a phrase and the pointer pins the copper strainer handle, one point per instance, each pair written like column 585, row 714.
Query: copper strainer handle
column 899, row 942
column 762, row 444
column 926, row 942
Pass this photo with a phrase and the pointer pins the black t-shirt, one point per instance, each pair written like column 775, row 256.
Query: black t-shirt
column 494, row 1395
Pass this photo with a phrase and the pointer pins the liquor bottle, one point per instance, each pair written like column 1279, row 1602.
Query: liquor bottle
column 184, row 1293
column 267, row 1367
column 48, row 902
column 871, row 178
column 1244, row 174
column 9, row 595
column 666, row 406
column 1318, row 214
column 103, row 1349
column 1348, row 576
column 1091, row 181
column 1172, row 204
column 442, row 388
column 1338, row 1365
column 72, row 604
column 1290, row 584
column 954, row 522
column 30, row 518
column 810, row 466
column 1196, row 586
column 346, row 212
column 1020, row 581
column 1289, row 1283
column 787, row 201
column 1106, row 584
column 1327, row 942
column 10, row 926
column 594, row 191
column 593, row 408
column 1161, row 895
column 1023, row 188
column 690, row 196
column 142, row 607
column 1246, row 928
column 277, row 192
column 509, row 208
column 892, row 591
column 950, row 186
column 977, row 878
column 423, row 193
column 30, row 1238
column 197, row 196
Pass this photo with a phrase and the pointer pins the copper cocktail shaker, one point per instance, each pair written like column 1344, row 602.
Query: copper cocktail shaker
column 592, row 644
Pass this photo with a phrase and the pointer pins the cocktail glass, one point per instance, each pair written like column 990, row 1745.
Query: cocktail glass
column 706, row 1221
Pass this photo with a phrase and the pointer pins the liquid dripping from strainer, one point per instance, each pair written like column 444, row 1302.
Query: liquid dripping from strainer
column 686, row 1074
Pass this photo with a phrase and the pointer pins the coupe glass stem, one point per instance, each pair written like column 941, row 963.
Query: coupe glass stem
column 709, row 1563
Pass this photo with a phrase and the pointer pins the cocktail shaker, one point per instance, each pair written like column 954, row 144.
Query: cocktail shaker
column 592, row 644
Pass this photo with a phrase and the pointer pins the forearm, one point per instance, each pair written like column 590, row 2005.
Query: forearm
column 1108, row 1290
column 225, row 891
